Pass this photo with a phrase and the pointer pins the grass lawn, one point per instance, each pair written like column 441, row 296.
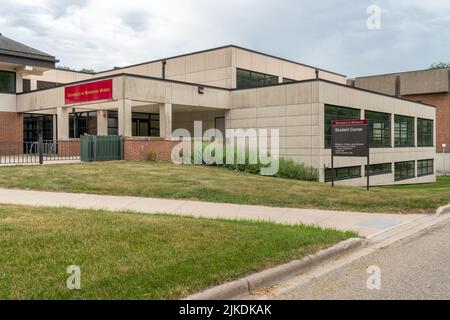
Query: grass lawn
column 165, row 180
column 136, row 256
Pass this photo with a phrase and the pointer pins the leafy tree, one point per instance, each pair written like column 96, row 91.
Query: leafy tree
column 440, row 65
column 64, row 68
column 87, row 70
column 70, row 69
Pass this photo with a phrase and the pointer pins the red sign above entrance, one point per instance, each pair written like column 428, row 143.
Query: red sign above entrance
column 86, row 92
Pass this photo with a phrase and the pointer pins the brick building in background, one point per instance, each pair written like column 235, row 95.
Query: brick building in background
column 427, row 86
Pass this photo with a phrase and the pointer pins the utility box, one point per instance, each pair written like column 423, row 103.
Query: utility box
column 101, row 148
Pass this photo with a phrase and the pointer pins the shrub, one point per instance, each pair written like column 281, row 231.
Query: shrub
column 288, row 169
column 151, row 156
column 298, row 171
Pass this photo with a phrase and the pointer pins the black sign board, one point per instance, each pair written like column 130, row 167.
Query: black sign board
column 350, row 138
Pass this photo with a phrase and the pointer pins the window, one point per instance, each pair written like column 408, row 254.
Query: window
column 337, row 113
column 113, row 123
column 425, row 167
column 404, row 131
column 404, row 170
column 343, row 173
column 286, row 80
column 425, row 132
column 249, row 79
column 45, row 84
column 381, row 168
column 36, row 124
column 379, row 129
column 145, row 124
column 7, row 82
column 26, row 85
column 81, row 123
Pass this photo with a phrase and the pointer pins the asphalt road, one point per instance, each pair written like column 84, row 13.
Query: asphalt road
column 417, row 267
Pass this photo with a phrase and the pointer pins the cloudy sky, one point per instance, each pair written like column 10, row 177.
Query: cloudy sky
column 331, row 34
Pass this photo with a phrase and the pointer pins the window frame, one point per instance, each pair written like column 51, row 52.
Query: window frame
column 428, row 173
column 348, row 177
column 327, row 124
column 383, row 131
column 407, row 177
column 397, row 133
column 252, row 85
column 378, row 173
column 420, row 136
column 14, row 83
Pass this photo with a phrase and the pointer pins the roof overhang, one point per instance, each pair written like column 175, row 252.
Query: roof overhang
column 27, row 60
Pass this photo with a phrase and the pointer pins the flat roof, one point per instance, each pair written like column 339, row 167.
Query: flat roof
column 215, row 49
column 401, row 72
column 224, row 89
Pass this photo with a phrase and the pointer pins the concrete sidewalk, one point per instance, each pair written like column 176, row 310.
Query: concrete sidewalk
column 367, row 224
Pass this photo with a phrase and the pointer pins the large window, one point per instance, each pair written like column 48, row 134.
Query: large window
column 381, row 168
column 81, row 123
column 425, row 167
column 404, row 170
column 35, row 125
column 404, row 131
column 343, row 173
column 337, row 113
column 249, row 79
column 425, row 132
column 7, row 82
column 145, row 124
column 379, row 129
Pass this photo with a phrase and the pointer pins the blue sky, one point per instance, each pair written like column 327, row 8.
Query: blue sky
column 331, row 34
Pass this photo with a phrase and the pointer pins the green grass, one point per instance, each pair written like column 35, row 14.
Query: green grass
column 136, row 256
column 165, row 180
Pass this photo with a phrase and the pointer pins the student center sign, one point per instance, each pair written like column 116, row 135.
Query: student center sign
column 225, row 88
column 350, row 138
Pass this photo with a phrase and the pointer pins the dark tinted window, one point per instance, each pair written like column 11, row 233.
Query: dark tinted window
column 7, row 82
column 337, row 113
column 379, row 128
column 250, row 79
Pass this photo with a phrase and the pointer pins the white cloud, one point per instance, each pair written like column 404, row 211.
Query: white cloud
column 332, row 34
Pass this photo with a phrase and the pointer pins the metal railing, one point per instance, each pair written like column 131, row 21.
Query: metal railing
column 17, row 152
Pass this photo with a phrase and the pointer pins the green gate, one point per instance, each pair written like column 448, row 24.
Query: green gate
column 101, row 148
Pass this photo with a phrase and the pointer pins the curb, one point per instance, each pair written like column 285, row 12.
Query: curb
column 443, row 210
column 266, row 278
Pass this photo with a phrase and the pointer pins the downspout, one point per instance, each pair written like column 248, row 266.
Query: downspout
column 163, row 71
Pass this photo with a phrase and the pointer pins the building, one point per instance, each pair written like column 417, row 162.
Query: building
column 427, row 86
column 227, row 88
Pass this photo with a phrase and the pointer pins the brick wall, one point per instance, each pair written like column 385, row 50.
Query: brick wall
column 69, row 148
column 11, row 127
column 138, row 149
column 442, row 103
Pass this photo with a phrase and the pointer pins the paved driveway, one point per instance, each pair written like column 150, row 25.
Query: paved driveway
column 417, row 267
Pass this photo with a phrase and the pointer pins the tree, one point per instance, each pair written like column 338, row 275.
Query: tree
column 87, row 70
column 440, row 65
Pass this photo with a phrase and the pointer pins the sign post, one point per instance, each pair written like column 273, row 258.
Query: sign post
column 350, row 138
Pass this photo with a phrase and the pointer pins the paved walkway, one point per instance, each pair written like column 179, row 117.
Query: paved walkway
column 367, row 224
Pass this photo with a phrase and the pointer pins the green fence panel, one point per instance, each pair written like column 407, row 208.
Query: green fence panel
column 101, row 148
column 86, row 149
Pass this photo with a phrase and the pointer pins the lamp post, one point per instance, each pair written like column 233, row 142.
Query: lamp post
column 443, row 150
